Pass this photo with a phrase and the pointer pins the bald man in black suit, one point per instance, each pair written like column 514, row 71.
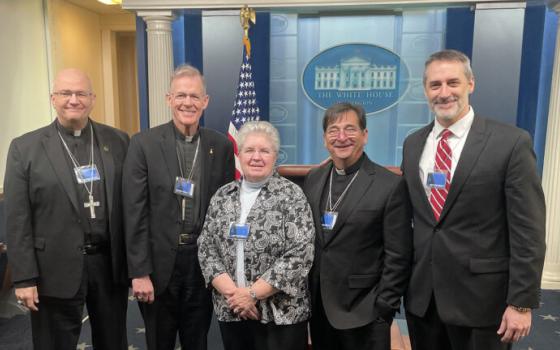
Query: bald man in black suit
column 64, row 222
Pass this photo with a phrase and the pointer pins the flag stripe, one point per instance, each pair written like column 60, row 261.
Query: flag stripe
column 245, row 106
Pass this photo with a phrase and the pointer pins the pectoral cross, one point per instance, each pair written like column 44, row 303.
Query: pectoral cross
column 91, row 205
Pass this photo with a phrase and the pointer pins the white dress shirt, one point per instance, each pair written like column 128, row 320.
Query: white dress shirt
column 460, row 130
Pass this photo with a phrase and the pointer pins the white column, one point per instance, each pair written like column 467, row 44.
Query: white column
column 551, row 169
column 160, row 63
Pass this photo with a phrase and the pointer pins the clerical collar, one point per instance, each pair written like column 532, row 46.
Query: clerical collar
column 188, row 138
column 352, row 168
column 71, row 132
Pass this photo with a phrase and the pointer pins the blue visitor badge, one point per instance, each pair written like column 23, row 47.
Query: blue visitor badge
column 328, row 220
column 184, row 187
column 436, row 179
column 87, row 173
column 239, row 231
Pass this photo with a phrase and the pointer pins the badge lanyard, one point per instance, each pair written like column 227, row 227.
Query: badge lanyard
column 239, row 232
column 240, row 235
column 330, row 215
column 438, row 177
column 85, row 172
column 185, row 187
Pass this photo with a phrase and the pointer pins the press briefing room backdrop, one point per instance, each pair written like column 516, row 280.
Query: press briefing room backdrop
column 298, row 46
column 511, row 46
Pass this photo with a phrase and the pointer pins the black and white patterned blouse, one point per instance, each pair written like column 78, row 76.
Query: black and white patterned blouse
column 279, row 248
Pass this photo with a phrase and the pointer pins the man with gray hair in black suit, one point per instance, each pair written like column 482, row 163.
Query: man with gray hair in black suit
column 170, row 173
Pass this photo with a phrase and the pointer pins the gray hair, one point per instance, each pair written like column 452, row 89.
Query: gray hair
column 187, row 70
column 259, row 127
column 450, row 56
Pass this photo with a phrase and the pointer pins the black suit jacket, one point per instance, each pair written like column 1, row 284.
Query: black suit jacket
column 152, row 210
column 45, row 233
column 362, row 268
column 487, row 250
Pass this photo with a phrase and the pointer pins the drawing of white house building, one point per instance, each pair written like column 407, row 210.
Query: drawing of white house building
column 356, row 73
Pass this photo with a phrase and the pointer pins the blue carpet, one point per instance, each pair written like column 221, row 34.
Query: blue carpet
column 15, row 333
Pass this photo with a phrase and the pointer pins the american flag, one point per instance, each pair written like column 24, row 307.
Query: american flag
column 245, row 107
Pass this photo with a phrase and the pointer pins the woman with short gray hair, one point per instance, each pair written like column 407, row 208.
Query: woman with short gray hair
column 256, row 250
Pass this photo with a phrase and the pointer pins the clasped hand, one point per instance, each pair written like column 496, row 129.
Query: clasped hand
column 241, row 302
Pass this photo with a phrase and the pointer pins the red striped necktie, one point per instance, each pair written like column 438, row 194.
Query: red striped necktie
column 442, row 162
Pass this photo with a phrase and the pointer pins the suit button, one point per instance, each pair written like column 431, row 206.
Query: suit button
column 79, row 221
column 436, row 230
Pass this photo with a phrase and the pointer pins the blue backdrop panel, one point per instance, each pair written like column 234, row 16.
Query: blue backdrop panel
column 193, row 38
column 460, row 29
column 260, row 46
column 537, row 59
column 187, row 39
column 142, row 61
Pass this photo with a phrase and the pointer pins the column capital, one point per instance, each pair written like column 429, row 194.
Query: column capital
column 156, row 14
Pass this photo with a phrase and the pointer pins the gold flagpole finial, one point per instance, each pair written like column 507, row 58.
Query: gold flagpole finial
column 247, row 16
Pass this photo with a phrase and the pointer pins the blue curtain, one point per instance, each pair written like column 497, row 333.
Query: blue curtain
column 459, row 30
column 539, row 34
column 142, row 61
column 260, row 46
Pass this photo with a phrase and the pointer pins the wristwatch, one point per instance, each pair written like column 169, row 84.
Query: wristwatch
column 253, row 294
column 520, row 309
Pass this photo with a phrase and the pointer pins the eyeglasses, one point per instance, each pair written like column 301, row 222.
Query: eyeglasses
column 181, row 97
column 67, row 94
column 349, row 131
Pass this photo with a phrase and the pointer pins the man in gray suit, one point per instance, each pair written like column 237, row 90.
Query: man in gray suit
column 64, row 222
column 479, row 220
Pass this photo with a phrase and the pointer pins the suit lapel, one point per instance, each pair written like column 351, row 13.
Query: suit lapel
column 364, row 180
column 169, row 152
column 416, row 186
column 475, row 143
column 105, row 148
column 315, row 193
column 56, row 153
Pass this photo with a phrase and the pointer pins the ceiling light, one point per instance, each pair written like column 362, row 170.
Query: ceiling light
column 111, row 2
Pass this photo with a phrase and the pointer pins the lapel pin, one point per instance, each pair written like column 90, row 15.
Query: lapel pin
column 106, row 149
column 211, row 151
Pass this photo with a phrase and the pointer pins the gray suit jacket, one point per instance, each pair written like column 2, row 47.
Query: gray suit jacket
column 152, row 210
column 362, row 267
column 487, row 250
column 45, row 233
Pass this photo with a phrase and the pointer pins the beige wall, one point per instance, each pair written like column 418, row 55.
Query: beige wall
column 75, row 35
column 24, row 77
column 38, row 39
column 128, row 118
